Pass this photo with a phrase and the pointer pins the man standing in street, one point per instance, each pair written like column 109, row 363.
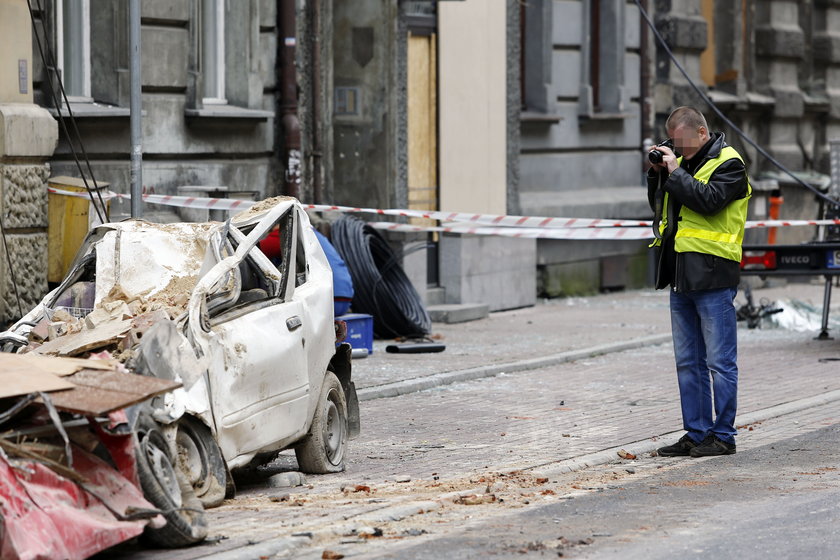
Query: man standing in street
column 699, row 198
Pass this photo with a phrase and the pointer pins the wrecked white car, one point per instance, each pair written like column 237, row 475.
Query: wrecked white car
column 253, row 342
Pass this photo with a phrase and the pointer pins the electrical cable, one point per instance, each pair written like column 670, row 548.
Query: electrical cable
column 50, row 63
column 723, row 117
column 381, row 287
column 11, row 268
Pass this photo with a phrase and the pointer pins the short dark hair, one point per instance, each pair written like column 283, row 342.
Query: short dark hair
column 685, row 116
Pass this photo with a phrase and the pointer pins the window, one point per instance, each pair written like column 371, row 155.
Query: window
column 224, row 57
column 213, row 51
column 536, row 50
column 73, row 47
column 602, row 92
column 301, row 266
column 727, row 46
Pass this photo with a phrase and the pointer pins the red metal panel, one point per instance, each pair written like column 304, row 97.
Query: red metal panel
column 47, row 516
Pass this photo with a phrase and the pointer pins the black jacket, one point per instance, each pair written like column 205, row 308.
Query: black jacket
column 696, row 271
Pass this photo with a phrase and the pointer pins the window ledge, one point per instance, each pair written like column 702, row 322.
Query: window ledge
column 605, row 116
column 754, row 98
column 816, row 103
column 539, row 118
column 83, row 110
column 228, row 112
column 724, row 98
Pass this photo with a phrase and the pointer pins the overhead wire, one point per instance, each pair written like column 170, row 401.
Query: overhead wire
column 822, row 196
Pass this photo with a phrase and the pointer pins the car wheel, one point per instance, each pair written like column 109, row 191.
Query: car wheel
column 322, row 451
column 201, row 461
column 168, row 490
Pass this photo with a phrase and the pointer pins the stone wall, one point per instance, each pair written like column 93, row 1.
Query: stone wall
column 24, row 207
column 27, row 137
column 497, row 271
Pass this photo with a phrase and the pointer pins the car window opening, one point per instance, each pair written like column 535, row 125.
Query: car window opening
column 79, row 295
column 301, row 266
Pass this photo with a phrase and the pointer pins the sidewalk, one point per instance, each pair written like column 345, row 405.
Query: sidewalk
column 552, row 332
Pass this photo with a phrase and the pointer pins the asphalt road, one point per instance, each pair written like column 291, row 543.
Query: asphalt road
column 778, row 500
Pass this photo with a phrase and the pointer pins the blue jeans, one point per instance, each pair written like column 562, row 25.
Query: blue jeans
column 704, row 328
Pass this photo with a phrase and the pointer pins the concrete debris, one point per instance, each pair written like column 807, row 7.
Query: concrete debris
column 286, row 480
column 475, row 499
column 284, row 497
column 348, row 488
column 624, row 454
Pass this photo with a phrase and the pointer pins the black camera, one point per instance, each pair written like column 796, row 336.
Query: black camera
column 655, row 156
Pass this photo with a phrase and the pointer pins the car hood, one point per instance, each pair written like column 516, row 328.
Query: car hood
column 138, row 260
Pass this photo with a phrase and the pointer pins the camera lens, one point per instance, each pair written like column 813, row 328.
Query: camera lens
column 655, row 156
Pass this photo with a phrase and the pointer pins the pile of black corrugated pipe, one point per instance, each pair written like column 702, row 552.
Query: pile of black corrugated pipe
column 381, row 287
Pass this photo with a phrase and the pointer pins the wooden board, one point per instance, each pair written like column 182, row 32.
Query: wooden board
column 422, row 126
column 15, row 382
column 50, row 364
column 88, row 339
column 97, row 392
column 90, row 391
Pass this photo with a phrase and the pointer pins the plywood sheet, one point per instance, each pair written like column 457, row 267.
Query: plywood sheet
column 15, row 381
column 422, row 126
column 89, row 387
column 98, row 392
column 57, row 366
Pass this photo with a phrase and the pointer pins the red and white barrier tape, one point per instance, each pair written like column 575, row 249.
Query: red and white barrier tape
column 482, row 219
column 528, row 233
column 491, row 224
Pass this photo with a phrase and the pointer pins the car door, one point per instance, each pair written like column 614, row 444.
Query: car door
column 313, row 289
column 258, row 377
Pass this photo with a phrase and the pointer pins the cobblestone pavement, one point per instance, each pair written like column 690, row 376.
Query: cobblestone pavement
column 550, row 327
column 534, row 418
column 445, row 439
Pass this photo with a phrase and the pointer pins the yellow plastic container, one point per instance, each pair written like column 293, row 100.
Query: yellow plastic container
column 70, row 219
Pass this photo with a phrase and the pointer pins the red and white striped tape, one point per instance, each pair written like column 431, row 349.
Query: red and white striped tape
column 476, row 224
column 484, row 219
column 528, row 233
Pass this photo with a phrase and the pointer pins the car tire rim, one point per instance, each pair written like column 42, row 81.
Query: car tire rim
column 193, row 460
column 333, row 430
column 163, row 471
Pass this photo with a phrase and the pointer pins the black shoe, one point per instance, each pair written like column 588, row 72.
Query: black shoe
column 680, row 449
column 713, row 446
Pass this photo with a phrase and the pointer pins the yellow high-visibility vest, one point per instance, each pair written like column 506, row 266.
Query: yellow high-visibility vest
column 720, row 234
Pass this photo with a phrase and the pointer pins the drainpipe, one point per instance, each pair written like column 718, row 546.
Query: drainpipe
column 136, row 100
column 288, row 100
column 645, row 77
column 317, row 171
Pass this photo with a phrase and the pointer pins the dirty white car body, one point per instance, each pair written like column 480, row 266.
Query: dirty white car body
column 254, row 344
